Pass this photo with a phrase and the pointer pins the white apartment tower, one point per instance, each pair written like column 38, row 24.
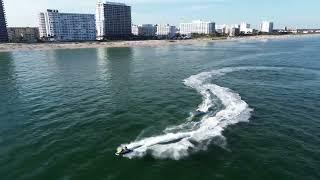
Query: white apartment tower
column 66, row 26
column 113, row 20
column 135, row 30
column 245, row 28
column 266, row 27
column 198, row 27
column 100, row 20
column 166, row 31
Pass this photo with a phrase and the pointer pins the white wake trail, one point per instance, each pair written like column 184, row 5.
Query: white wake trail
column 179, row 141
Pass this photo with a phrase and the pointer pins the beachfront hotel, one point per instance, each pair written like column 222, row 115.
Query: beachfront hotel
column 197, row 27
column 228, row 30
column 245, row 28
column 266, row 27
column 113, row 20
column 56, row 26
column 3, row 24
column 233, row 31
column 222, row 29
column 166, row 31
column 146, row 30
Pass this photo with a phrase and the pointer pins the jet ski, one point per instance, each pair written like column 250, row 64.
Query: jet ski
column 198, row 113
column 123, row 151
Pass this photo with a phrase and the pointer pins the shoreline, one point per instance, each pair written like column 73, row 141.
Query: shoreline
column 15, row 47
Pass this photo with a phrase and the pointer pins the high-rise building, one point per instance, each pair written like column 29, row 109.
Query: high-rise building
column 266, row 27
column 245, row 28
column 3, row 24
column 135, row 30
column 146, row 30
column 113, row 20
column 197, row 27
column 234, row 31
column 222, row 29
column 166, row 31
column 229, row 30
column 66, row 26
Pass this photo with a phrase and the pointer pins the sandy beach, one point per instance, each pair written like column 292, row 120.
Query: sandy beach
column 9, row 47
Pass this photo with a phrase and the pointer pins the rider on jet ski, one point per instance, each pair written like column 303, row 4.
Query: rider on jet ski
column 123, row 150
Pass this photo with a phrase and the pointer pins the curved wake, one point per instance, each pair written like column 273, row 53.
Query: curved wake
column 179, row 141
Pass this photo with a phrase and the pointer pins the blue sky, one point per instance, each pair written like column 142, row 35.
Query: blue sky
column 293, row 13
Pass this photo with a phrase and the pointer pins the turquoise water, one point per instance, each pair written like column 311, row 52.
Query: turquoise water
column 224, row 110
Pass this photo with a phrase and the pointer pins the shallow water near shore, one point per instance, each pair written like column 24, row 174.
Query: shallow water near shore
column 211, row 110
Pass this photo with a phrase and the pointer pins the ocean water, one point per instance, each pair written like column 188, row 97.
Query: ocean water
column 220, row 110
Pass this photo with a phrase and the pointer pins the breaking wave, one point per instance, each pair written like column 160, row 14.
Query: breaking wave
column 179, row 141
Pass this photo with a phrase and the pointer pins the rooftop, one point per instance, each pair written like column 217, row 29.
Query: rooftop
column 115, row 3
column 197, row 22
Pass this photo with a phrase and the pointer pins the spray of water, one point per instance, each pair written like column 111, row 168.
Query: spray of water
column 179, row 141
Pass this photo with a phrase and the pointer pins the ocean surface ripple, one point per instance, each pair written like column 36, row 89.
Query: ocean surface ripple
column 218, row 110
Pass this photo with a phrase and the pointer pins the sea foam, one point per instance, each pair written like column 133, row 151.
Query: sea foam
column 179, row 141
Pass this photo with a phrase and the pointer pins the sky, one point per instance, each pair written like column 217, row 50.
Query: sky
column 291, row 13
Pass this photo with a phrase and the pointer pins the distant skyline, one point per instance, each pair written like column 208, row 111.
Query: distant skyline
column 291, row 13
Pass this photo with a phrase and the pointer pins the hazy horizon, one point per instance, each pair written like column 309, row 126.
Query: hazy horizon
column 300, row 14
